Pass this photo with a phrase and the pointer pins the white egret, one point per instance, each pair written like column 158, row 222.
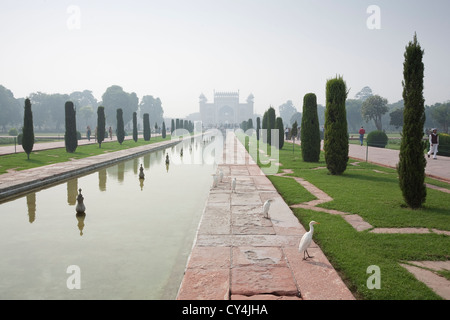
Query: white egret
column 306, row 240
column 221, row 175
column 233, row 185
column 266, row 207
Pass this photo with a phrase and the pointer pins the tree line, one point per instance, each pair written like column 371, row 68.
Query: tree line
column 50, row 116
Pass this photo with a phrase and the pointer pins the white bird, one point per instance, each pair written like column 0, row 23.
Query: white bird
column 233, row 184
column 306, row 240
column 221, row 175
column 266, row 207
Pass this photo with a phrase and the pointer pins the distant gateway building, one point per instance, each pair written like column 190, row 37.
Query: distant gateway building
column 225, row 109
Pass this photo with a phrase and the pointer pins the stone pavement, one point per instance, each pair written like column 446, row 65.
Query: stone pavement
column 239, row 254
column 15, row 183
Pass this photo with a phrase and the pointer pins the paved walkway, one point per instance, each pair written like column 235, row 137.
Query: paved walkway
column 239, row 254
column 18, row 182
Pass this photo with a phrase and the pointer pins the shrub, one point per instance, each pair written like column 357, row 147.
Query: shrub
column 28, row 130
column 411, row 165
column 279, row 126
column 135, row 131
column 100, row 125
column 146, row 127
column 120, row 126
column 377, row 139
column 336, row 135
column 13, row 132
column 310, row 132
column 70, row 138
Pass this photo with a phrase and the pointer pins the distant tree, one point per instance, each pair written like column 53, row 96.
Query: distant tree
column 135, row 130
column 271, row 118
column 153, row 107
column 120, row 126
column 396, row 118
column 163, row 131
column 146, row 127
column 412, row 162
column 287, row 110
column 296, row 117
column 250, row 123
column 172, row 126
column 310, row 131
column 264, row 127
column 101, row 123
column 336, row 135
column 365, row 93
column 294, row 132
column 354, row 117
column 10, row 113
column 373, row 108
column 258, row 127
column 28, row 129
column 280, row 127
column 441, row 114
column 70, row 137
column 115, row 97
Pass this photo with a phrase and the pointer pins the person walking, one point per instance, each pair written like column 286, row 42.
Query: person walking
column 89, row 133
column 361, row 135
column 434, row 142
column 110, row 133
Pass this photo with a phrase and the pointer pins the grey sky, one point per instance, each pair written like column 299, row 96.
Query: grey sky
column 177, row 49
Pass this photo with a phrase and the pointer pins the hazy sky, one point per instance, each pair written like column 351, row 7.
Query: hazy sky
column 278, row 50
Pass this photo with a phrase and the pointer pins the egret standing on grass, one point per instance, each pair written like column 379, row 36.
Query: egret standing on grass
column 266, row 207
column 306, row 240
column 233, row 185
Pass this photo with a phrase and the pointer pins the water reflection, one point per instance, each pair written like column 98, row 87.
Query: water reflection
column 136, row 238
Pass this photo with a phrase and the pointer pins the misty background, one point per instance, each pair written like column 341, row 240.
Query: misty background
column 159, row 56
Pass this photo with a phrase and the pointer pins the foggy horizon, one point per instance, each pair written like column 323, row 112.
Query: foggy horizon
column 177, row 50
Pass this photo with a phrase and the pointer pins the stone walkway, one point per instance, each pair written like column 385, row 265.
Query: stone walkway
column 239, row 254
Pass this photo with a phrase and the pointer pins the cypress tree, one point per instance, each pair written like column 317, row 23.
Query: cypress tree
column 70, row 137
column 120, row 126
column 146, row 127
column 279, row 127
column 135, row 130
column 336, row 135
column 271, row 119
column 265, row 123
column 294, row 132
column 100, row 125
column 172, row 126
column 310, row 132
column 163, row 130
column 258, row 127
column 412, row 162
column 28, row 130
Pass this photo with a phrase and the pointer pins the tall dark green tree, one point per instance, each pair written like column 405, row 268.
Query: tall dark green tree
column 412, row 162
column 279, row 127
column 70, row 137
column 172, row 126
column 146, row 127
column 336, row 135
column 28, row 129
column 271, row 119
column 120, row 126
column 135, row 130
column 101, row 125
column 258, row 127
column 264, row 124
column 310, row 131
column 294, row 132
column 163, row 130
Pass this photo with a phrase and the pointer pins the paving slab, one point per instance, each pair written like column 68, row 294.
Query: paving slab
column 261, row 252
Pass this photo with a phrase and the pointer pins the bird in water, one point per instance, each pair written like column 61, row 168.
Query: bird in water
column 266, row 207
column 305, row 242
column 233, row 185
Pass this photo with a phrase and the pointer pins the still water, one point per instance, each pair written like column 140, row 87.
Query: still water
column 133, row 242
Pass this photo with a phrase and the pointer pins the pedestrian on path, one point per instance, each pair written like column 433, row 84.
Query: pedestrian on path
column 434, row 142
column 110, row 133
column 88, row 133
column 361, row 135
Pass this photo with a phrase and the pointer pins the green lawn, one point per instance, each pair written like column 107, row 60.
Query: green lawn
column 377, row 198
column 19, row 161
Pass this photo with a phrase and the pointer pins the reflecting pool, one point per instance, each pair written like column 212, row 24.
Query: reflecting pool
column 132, row 243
